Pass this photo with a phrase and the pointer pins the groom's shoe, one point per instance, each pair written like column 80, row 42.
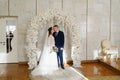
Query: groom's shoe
column 62, row 67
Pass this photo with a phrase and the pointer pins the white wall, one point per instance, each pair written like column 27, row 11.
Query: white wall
column 115, row 23
column 98, row 25
column 98, row 19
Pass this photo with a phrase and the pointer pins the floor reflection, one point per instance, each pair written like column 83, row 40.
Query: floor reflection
column 112, row 62
column 96, row 69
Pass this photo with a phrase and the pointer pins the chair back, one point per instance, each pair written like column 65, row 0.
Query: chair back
column 105, row 44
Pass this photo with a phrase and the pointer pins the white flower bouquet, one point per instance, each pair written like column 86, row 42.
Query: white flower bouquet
column 55, row 49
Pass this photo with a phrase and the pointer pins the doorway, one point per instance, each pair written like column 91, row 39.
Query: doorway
column 8, row 40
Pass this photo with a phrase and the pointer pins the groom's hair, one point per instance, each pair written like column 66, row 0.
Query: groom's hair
column 55, row 26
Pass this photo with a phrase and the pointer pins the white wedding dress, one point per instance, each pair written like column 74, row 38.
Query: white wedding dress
column 48, row 60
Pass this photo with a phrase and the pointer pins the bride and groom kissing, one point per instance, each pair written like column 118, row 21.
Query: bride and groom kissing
column 49, row 62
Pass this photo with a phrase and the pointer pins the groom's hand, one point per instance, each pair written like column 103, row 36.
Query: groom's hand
column 61, row 48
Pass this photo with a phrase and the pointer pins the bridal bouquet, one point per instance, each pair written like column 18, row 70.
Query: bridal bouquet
column 55, row 49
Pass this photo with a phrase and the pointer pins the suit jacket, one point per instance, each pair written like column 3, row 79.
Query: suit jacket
column 59, row 39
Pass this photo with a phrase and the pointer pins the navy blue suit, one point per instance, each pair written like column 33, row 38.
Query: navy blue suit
column 59, row 43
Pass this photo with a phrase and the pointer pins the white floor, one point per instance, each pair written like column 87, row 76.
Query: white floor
column 68, row 73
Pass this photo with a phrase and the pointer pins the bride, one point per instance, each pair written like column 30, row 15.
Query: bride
column 48, row 60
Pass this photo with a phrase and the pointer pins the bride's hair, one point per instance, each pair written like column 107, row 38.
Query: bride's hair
column 49, row 31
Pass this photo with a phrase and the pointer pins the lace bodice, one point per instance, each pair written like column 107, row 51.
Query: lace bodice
column 51, row 41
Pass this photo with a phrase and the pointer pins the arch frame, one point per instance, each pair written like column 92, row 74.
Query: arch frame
column 36, row 24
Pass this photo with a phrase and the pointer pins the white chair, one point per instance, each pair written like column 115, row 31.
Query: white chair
column 108, row 50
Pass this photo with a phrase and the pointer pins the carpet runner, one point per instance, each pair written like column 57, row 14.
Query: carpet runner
column 68, row 73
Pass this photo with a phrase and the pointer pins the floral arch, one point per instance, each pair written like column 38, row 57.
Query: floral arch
column 58, row 17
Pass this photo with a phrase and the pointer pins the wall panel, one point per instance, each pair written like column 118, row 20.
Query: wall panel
column 3, row 7
column 115, row 23
column 98, row 26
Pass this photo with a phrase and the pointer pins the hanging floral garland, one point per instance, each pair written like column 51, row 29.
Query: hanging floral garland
column 37, row 24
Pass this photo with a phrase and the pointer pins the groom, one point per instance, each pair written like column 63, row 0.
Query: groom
column 59, row 43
